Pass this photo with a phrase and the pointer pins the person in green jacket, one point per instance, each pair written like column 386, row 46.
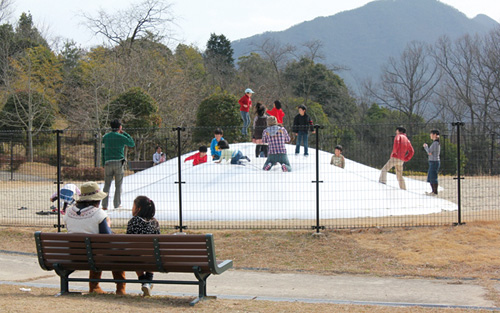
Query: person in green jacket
column 113, row 159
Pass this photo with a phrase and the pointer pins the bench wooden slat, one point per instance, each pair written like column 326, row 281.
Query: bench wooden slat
column 66, row 253
column 113, row 266
column 122, row 238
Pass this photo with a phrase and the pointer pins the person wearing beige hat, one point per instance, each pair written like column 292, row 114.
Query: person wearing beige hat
column 85, row 216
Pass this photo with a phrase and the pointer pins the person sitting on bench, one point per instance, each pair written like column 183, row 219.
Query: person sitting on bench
column 85, row 216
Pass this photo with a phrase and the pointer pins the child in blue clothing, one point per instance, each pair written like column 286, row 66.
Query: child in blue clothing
column 213, row 145
column 235, row 157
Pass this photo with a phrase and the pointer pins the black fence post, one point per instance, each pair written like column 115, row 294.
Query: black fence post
column 180, row 182
column 11, row 160
column 459, row 175
column 166, row 148
column 492, row 152
column 317, row 181
column 443, row 159
column 96, row 137
column 58, row 182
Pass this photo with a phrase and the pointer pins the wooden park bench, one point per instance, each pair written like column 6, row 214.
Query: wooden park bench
column 69, row 252
column 137, row 166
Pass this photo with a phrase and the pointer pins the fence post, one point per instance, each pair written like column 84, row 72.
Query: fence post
column 492, row 152
column 11, row 160
column 166, row 148
column 180, row 182
column 58, row 182
column 317, row 181
column 459, row 175
column 443, row 159
column 96, row 137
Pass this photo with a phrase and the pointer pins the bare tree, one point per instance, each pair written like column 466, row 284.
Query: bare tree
column 150, row 17
column 277, row 55
column 408, row 83
column 458, row 63
column 5, row 10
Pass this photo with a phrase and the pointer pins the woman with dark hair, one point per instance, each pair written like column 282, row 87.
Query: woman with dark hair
column 259, row 124
column 277, row 112
column 143, row 222
column 433, row 152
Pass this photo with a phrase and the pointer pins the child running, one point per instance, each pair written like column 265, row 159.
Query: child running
column 143, row 222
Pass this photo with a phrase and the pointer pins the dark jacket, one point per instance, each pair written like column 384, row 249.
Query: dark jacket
column 259, row 126
column 302, row 123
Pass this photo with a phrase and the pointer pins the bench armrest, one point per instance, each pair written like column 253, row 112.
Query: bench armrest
column 223, row 266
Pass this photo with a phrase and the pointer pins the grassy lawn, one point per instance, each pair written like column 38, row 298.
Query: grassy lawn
column 467, row 251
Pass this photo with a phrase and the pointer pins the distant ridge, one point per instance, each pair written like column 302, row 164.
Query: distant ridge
column 362, row 39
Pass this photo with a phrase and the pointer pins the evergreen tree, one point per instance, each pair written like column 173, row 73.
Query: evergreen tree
column 219, row 60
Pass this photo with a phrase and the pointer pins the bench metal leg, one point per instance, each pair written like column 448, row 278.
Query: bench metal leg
column 63, row 274
column 202, row 286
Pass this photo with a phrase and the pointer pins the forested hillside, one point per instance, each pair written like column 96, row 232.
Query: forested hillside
column 144, row 82
column 359, row 41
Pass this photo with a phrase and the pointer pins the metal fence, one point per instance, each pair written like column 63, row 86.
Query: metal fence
column 315, row 194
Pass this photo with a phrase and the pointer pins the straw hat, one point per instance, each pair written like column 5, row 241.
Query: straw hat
column 90, row 192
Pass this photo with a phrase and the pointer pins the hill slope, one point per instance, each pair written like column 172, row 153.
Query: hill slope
column 363, row 39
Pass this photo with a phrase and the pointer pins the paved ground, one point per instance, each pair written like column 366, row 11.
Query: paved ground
column 24, row 270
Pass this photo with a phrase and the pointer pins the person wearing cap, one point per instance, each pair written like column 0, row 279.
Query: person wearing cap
column 245, row 104
column 113, row 160
column 85, row 216
column 276, row 136
column 402, row 151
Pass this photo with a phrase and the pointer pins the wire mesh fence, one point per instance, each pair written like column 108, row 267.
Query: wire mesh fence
column 312, row 193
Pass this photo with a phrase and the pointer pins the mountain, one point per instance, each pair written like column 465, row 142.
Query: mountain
column 362, row 39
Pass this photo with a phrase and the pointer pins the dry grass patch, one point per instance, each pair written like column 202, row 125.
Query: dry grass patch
column 471, row 250
column 14, row 300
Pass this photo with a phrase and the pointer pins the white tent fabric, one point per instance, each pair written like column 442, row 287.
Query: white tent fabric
column 224, row 192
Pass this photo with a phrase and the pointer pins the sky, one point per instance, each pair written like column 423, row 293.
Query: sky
column 195, row 20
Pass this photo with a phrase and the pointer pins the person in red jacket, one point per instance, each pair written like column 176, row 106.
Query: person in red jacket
column 277, row 112
column 245, row 104
column 199, row 157
column 402, row 151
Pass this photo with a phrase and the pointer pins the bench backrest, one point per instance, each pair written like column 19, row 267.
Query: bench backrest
column 139, row 165
column 155, row 253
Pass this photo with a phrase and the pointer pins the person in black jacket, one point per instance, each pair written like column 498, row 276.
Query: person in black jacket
column 259, row 124
column 302, row 124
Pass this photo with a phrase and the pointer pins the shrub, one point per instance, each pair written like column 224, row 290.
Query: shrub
column 66, row 160
column 17, row 161
column 218, row 110
column 83, row 173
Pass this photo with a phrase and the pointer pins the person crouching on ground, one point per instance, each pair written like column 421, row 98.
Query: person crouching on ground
column 143, row 222
column 234, row 157
column 434, row 161
column 276, row 136
column 85, row 216
column 199, row 157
